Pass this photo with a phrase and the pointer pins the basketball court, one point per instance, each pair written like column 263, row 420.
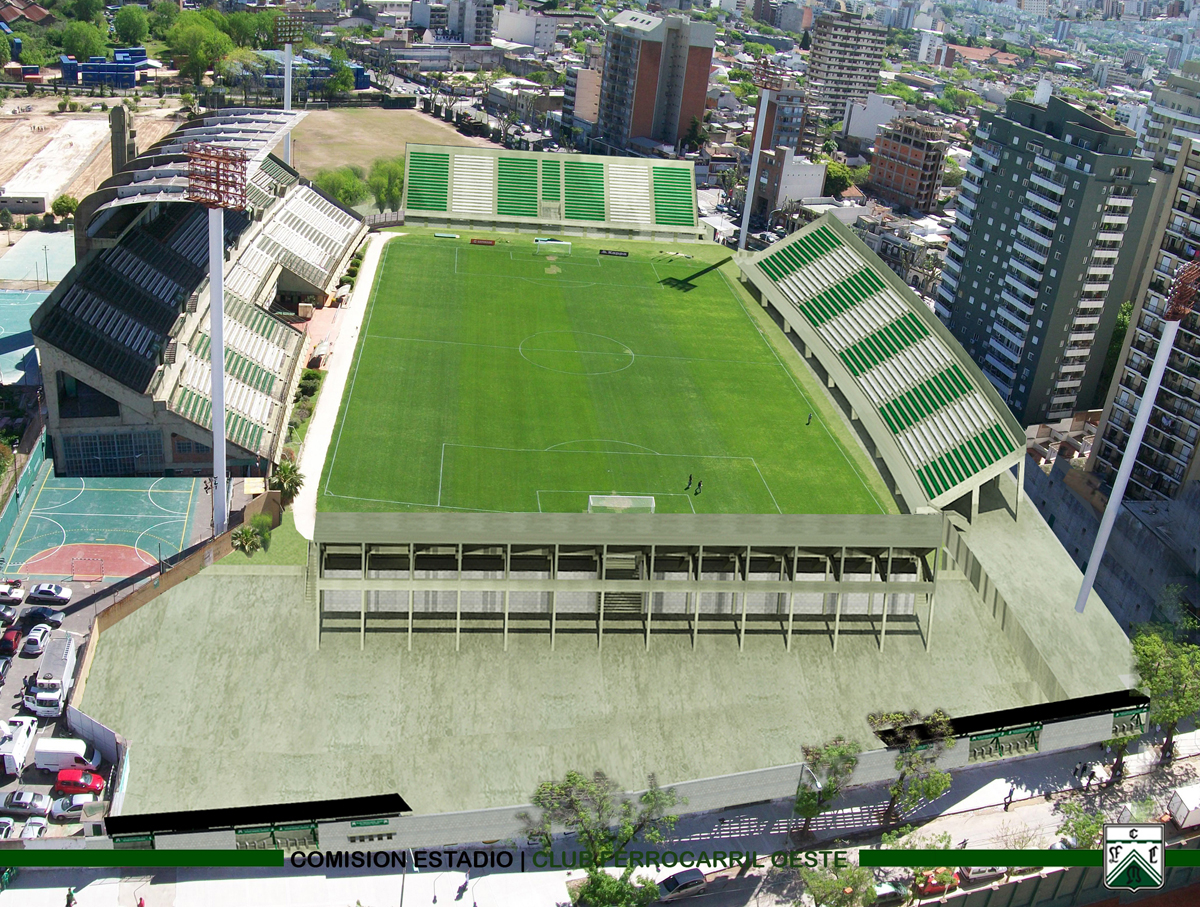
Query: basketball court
column 93, row 529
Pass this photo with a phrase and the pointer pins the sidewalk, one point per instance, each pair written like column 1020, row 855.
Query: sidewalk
column 324, row 420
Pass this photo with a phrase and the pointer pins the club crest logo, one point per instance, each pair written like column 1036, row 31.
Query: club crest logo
column 1133, row 856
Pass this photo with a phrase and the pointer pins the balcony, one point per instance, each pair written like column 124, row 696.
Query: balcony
column 965, row 205
column 1023, row 307
column 1120, row 201
column 1114, row 219
column 1034, row 237
column 999, row 367
column 1053, row 186
column 1105, row 255
column 1094, row 287
column 957, row 249
column 1104, row 236
column 960, row 235
column 1043, row 200
column 1085, row 321
column 1037, row 217
column 989, row 157
column 1036, row 254
column 1081, row 336
column 949, row 280
column 1067, row 384
column 1063, row 401
column 1015, row 280
column 999, row 327
column 945, row 293
column 1034, row 274
column 1073, row 368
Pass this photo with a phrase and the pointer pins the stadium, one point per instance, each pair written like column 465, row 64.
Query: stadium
column 515, row 569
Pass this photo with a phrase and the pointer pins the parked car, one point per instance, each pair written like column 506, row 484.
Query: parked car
column 49, row 593
column 935, row 882
column 10, row 594
column 5, row 666
column 682, row 885
column 33, row 616
column 889, row 893
column 35, row 642
column 34, row 828
column 8, row 828
column 78, row 781
column 1063, row 844
column 7, row 614
column 972, row 875
column 69, row 809
column 26, row 803
column 10, row 641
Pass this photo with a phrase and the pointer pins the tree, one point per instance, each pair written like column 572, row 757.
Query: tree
column 244, row 538
column 757, row 50
column 837, row 178
column 1081, row 824
column 386, row 180
column 346, row 184
column 340, row 81
column 604, row 820
column 162, row 17
column 131, row 24
column 604, row 890
column 904, row 839
column 694, row 138
column 952, row 174
column 840, row 886
column 6, row 219
column 33, row 222
column 195, row 36
column 242, row 28
column 64, row 205
column 86, row 10
column 1168, row 669
column 919, row 741
column 82, row 40
column 806, row 41
column 1121, row 745
column 287, row 480
column 832, row 765
column 5, row 51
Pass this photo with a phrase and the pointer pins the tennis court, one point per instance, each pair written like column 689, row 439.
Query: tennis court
column 92, row 529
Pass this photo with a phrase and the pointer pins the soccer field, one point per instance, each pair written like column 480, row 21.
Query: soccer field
column 489, row 378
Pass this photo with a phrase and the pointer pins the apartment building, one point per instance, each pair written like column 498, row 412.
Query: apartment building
column 1042, row 252
column 844, row 64
column 655, row 78
column 1166, row 461
column 907, row 167
column 581, row 100
column 791, row 120
column 1172, row 115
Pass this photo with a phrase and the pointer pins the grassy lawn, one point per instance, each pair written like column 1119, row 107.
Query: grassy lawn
column 488, row 378
column 288, row 547
column 361, row 135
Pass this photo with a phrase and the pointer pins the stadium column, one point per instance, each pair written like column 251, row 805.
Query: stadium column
column 507, row 564
column 745, row 595
column 748, row 202
column 216, row 332
column 696, row 595
column 649, row 602
column 600, row 613
column 883, row 628
column 411, row 594
column 362, row 621
column 792, row 596
column 553, row 597
column 287, row 100
column 974, row 506
column 841, row 594
column 458, row 601
column 937, row 565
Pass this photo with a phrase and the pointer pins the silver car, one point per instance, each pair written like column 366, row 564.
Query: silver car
column 35, row 827
column 26, row 803
column 682, row 885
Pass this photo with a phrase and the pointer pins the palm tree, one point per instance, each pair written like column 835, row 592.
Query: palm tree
column 244, row 538
column 287, row 480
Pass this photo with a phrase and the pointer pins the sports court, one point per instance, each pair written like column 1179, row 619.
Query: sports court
column 523, row 378
column 92, row 529
column 18, row 364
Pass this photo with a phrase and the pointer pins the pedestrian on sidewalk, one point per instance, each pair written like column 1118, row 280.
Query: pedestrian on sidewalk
column 70, row 897
column 1009, row 797
column 1090, row 778
column 1078, row 773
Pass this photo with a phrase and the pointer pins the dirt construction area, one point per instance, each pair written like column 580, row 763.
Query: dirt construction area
column 362, row 135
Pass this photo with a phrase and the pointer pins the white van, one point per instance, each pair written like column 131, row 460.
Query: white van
column 52, row 754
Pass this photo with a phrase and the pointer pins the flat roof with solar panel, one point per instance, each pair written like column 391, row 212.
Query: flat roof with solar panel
column 934, row 419
column 577, row 193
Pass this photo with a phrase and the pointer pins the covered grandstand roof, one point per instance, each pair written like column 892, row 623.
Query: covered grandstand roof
column 935, row 419
column 160, row 172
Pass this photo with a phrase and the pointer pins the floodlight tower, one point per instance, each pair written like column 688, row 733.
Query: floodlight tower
column 217, row 180
column 768, row 78
column 289, row 27
column 1184, row 287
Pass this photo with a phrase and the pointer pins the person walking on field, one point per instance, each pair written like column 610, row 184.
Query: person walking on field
column 699, row 485
column 689, row 484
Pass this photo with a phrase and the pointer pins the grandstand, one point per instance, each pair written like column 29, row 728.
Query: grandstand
column 127, row 329
column 575, row 194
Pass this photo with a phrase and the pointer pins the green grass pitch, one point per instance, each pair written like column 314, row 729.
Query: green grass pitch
column 491, row 379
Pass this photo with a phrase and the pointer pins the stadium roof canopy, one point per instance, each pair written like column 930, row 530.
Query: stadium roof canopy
column 591, row 192
column 160, row 172
column 939, row 425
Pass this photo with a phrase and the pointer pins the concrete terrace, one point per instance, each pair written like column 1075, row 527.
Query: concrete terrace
column 229, row 684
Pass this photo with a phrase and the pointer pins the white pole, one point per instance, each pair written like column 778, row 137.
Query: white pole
column 287, row 99
column 216, row 330
column 1166, row 343
column 759, row 119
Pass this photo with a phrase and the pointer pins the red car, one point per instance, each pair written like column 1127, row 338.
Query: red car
column 939, row 881
column 78, row 781
column 10, row 642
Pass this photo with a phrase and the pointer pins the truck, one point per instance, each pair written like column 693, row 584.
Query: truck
column 1185, row 806
column 16, row 739
column 46, row 694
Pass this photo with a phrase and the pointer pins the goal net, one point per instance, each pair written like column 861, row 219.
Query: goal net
column 620, row 503
column 551, row 247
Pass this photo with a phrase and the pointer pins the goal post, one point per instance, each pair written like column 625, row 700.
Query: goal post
column 620, row 503
column 551, row 247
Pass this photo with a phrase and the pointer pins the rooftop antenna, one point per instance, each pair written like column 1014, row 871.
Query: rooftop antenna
column 217, row 180
column 1179, row 305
